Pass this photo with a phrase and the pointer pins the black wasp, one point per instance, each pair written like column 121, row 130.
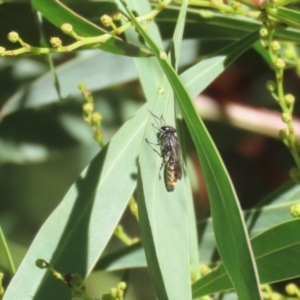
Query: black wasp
column 170, row 152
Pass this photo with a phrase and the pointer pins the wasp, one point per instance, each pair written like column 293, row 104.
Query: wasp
column 170, row 152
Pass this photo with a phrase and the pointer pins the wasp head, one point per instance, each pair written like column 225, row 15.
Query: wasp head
column 168, row 129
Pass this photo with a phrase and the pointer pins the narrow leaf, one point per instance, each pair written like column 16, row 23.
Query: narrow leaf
column 58, row 14
column 76, row 233
column 231, row 235
column 276, row 252
column 199, row 76
column 163, row 214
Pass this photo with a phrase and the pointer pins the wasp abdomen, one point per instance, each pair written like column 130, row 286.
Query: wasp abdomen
column 172, row 174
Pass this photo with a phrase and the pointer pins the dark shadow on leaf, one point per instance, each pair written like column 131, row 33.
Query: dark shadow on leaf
column 70, row 255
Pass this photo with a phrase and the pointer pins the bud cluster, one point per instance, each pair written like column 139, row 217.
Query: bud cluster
column 116, row 293
column 92, row 117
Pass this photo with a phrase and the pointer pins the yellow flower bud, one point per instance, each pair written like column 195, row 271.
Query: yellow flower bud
column 106, row 20
column 263, row 32
column 81, row 86
column 235, row 5
column 289, row 99
column 279, row 63
column 66, row 28
column 291, row 289
column 13, row 36
column 286, row 117
column 117, row 16
column 2, row 50
column 113, row 292
column 275, row 46
column 96, row 118
column 204, row 269
column 55, row 42
column 122, row 285
column 88, row 108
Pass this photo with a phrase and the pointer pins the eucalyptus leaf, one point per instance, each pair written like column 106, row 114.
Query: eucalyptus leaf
column 277, row 248
column 231, row 235
column 81, row 226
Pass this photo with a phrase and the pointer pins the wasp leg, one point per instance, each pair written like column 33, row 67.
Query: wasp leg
column 152, row 143
column 155, row 128
column 164, row 162
column 152, row 147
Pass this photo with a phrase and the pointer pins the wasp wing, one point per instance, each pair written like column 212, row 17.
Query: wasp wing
column 176, row 157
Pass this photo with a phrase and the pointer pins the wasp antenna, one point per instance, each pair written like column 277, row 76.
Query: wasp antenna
column 163, row 119
column 156, row 118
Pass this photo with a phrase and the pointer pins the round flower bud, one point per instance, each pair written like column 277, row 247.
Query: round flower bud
column 134, row 208
column 106, row 20
column 204, row 269
column 81, row 86
column 2, row 50
column 286, row 117
column 295, row 212
column 289, row 99
column 96, row 118
column 294, row 174
column 113, row 292
column 55, row 42
column 283, row 134
column 122, row 285
column 275, row 46
column 263, row 32
column 279, row 63
column 235, row 5
column 66, row 28
column 271, row 85
column 291, row 289
column 117, row 16
column 88, row 108
column 13, row 37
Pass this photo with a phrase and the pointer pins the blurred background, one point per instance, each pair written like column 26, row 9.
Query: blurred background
column 45, row 143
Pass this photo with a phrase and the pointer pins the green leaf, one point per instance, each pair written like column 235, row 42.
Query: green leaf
column 160, row 209
column 128, row 257
column 150, row 74
column 273, row 209
column 187, row 191
column 58, row 14
column 230, row 230
column 199, row 76
column 212, row 25
column 76, row 233
column 290, row 15
column 92, row 65
column 276, row 252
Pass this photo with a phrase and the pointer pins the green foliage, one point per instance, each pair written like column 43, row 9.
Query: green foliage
column 255, row 247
